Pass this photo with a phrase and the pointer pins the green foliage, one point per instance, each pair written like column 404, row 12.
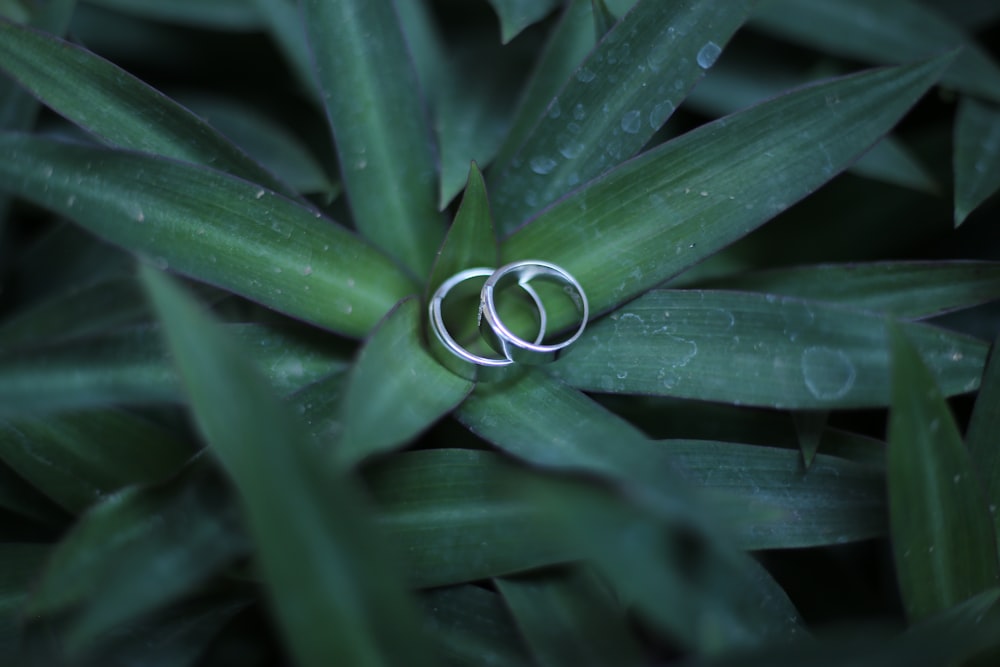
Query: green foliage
column 777, row 441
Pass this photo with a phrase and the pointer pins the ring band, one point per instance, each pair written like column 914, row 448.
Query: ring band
column 455, row 357
column 506, row 342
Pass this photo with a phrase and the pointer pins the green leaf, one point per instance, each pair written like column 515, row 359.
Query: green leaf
column 84, row 309
column 743, row 78
column 287, row 30
column 516, row 15
column 568, row 44
column 890, row 32
column 76, row 458
column 105, row 100
column 175, row 637
column 471, row 114
column 910, row 290
column 977, row 156
column 542, row 421
column 473, row 628
column 780, row 504
column 570, row 619
column 942, row 532
column 19, row 567
column 456, row 515
column 319, row 405
column 21, row 498
column 756, row 349
column 683, row 201
column 208, row 14
column 266, row 140
column 604, row 20
column 692, row 587
column 809, row 424
column 130, row 367
column 620, row 96
column 118, row 562
column 395, row 389
column 471, row 240
column 373, row 104
column 336, row 590
column 219, row 229
column 982, row 435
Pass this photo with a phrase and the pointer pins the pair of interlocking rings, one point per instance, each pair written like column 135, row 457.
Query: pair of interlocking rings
column 512, row 348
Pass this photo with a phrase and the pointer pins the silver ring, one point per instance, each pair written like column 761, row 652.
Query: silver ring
column 455, row 357
column 505, row 341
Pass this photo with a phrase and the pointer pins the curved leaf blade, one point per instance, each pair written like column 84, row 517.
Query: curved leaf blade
column 677, row 204
column 336, row 590
column 373, row 104
column 130, row 367
column 567, row 45
column 455, row 515
column 570, row 619
column 942, row 533
column 473, row 628
column 214, row 227
column 471, row 240
column 889, row 32
column 109, row 102
column 907, row 290
column 756, row 349
column 117, row 564
column 977, row 156
column 395, row 389
column 981, row 435
column 620, row 96
column 209, row 14
column 516, row 15
column 78, row 458
column 834, row 501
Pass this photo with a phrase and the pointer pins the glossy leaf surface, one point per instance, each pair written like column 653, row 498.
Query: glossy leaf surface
column 619, row 97
column 756, row 349
column 681, row 202
column 373, row 104
column 216, row 228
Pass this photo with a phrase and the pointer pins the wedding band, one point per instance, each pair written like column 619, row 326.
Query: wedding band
column 456, row 358
column 505, row 341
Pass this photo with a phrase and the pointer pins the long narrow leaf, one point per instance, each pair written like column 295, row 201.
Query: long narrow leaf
column 214, row 227
column 571, row 620
column 982, row 435
column 977, row 156
column 117, row 564
column 473, row 628
column 456, row 515
column 103, row 99
column 516, row 15
column 78, row 458
column 942, row 533
column 621, row 95
column 911, row 290
column 336, row 589
column 373, row 103
column 209, row 14
column 889, row 32
column 395, row 390
column 130, row 367
column 675, row 205
column 756, row 349
column 832, row 502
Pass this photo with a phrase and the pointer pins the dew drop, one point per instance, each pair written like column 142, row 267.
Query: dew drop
column 584, row 75
column 542, row 165
column 569, row 146
column 631, row 121
column 828, row 374
column 708, row 55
